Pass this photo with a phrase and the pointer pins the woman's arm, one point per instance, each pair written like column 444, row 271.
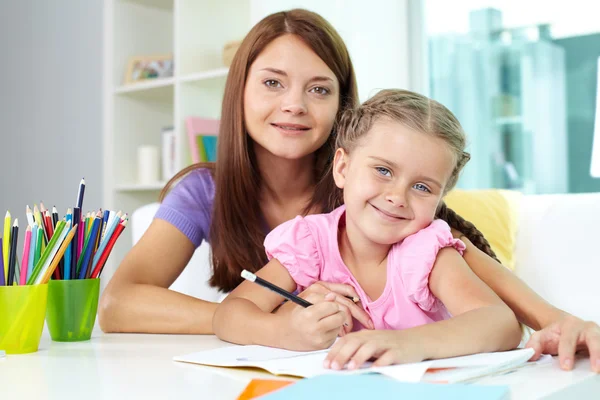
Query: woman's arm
column 528, row 306
column 137, row 298
column 481, row 322
column 246, row 317
column 559, row 332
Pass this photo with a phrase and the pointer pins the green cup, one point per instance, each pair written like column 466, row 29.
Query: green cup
column 22, row 312
column 72, row 306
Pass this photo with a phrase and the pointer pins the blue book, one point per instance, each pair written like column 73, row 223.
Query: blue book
column 374, row 386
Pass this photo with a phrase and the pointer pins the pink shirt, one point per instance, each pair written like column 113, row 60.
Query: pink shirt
column 308, row 248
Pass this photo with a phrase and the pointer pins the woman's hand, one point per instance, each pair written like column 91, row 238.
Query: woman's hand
column 316, row 293
column 565, row 337
column 315, row 327
column 387, row 347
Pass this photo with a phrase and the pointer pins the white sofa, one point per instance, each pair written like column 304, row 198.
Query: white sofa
column 556, row 252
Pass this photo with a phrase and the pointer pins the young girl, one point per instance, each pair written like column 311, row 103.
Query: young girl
column 397, row 155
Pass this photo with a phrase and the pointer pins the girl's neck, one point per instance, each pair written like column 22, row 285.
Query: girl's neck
column 358, row 252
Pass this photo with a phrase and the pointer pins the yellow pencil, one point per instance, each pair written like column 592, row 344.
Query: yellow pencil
column 6, row 244
column 59, row 255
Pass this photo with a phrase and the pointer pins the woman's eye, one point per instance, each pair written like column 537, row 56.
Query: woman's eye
column 421, row 187
column 272, row 83
column 320, row 90
column 383, row 171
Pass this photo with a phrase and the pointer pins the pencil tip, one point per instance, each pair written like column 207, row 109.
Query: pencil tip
column 16, row 224
column 7, row 214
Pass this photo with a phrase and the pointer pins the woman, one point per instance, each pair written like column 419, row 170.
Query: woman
column 289, row 82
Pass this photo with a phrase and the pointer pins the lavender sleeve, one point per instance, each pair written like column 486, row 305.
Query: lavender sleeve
column 188, row 206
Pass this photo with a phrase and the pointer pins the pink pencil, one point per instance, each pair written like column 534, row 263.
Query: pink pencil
column 25, row 258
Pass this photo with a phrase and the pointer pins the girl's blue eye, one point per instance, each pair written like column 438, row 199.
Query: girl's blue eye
column 383, row 171
column 321, row 90
column 272, row 83
column 422, row 188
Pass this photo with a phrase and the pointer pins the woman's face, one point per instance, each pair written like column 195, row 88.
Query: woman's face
column 291, row 99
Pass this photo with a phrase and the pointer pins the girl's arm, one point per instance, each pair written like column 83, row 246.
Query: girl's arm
column 246, row 317
column 137, row 298
column 561, row 333
column 481, row 323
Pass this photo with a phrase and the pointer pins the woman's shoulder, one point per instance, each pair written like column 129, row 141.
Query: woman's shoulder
column 188, row 206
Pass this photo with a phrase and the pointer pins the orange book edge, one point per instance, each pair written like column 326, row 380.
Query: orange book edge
column 259, row 387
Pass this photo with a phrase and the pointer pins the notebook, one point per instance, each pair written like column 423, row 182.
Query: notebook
column 310, row 364
column 371, row 386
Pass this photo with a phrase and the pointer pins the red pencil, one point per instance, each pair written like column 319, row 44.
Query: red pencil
column 108, row 249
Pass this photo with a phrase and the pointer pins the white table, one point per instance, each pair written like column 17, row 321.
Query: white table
column 134, row 366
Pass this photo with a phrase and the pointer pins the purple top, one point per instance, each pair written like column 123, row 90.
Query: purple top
column 188, row 206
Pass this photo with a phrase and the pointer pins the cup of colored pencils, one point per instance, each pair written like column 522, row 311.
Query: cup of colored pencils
column 75, row 248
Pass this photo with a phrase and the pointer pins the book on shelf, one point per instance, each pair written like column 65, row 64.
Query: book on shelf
column 168, row 146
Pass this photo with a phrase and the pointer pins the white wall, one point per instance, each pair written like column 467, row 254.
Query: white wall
column 50, row 103
column 376, row 34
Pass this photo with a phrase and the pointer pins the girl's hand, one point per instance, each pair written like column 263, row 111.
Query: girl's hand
column 565, row 337
column 316, row 293
column 387, row 347
column 315, row 327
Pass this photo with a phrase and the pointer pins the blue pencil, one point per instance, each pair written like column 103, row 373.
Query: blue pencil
column 89, row 249
column 67, row 259
column 30, row 263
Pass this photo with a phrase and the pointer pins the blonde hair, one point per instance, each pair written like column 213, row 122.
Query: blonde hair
column 413, row 110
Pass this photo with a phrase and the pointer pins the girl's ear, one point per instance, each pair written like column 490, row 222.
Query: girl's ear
column 340, row 167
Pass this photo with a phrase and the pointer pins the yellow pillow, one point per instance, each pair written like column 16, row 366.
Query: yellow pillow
column 494, row 212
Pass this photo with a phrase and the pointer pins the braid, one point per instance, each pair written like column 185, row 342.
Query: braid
column 466, row 228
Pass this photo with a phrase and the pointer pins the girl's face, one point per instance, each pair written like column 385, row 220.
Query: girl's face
column 291, row 99
column 393, row 181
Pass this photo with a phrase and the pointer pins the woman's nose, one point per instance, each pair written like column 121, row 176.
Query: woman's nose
column 294, row 104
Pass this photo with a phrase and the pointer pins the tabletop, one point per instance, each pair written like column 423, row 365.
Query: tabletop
column 114, row 366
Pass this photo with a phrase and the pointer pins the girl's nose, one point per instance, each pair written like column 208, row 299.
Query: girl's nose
column 397, row 198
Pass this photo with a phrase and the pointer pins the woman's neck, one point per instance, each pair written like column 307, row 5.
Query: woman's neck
column 285, row 181
column 357, row 251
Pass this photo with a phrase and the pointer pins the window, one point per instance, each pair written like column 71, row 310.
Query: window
column 521, row 76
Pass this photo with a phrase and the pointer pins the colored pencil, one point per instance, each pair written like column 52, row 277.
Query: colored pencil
column 6, row 244
column 88, row 248
column 112, row 225
column 33, row 241
column 2, row 281
column 29, row 215
column 38, row 247
column 36, row 215
column 109, row 246
column 74, row 245
column 80, row 193
column 59, row 254
column 52, row 249
column 43, row 262
column 12, row 257
column 65, row 264
column 54, row 216
column 25, row 258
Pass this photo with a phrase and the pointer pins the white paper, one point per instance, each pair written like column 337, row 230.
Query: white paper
column 308, row 364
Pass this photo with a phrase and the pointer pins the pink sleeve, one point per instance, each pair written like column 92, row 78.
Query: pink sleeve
column 293, row 245
column 417, row 255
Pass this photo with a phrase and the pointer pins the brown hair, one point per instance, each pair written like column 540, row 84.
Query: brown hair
column 424, row 115
column 237, row 231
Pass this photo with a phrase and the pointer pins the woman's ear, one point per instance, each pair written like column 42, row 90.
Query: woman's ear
column 340, row 167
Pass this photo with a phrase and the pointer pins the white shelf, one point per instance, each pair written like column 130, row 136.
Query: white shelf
column 145, row 85
column 204, row 76
column 140, row 187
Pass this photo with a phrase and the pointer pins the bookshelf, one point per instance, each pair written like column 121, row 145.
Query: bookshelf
column 194, row 32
